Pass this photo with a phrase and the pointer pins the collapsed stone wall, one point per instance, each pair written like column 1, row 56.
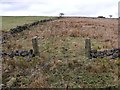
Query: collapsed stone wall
column 22, row 53
column 28, row 26
column 112, row 53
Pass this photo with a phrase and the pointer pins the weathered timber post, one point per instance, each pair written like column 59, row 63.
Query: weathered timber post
column 88, row 48
column 35, row 45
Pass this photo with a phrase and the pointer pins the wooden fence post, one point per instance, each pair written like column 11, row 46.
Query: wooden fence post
column 35, row 45
column 88, row 48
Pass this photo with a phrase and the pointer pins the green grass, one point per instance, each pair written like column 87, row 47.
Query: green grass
column 9, row 22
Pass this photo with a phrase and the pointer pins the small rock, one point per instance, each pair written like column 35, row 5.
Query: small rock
column 11, row 82
column 6, row 71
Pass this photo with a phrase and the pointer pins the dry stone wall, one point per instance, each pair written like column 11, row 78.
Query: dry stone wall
column 112, row 53
column 18, row 29
column 22, row 53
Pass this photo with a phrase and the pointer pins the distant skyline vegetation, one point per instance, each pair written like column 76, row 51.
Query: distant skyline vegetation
column 89, row 8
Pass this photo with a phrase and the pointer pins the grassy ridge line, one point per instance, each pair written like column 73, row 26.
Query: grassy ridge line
column 9, row 22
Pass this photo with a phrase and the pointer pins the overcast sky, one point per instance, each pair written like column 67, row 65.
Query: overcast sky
column 54, row 7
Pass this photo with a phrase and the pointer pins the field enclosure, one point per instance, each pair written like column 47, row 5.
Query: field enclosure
column 62, row 62
column 9, row 22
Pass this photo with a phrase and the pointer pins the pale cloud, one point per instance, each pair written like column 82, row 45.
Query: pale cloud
column 54, row 7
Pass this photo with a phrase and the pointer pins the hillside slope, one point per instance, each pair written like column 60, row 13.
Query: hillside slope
column 62, row 60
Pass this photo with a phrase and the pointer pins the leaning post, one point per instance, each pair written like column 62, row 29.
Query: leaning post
column 88, row 48
column 35, row 45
